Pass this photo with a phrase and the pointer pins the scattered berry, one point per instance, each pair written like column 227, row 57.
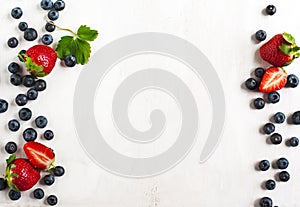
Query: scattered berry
column 12, row 42
column 46, row 4
column 40, row 85
column 48, row 134
column 59, row 5
column 269, row 128
column 273, row 79
column 38, row 193
column 259, row 72
column 59, row 171
column 32, row 94
column 266, row 202
column 13, row 67
column 259, row 103
column 47, row 39
column 260, row 35
column 53, row 15
column 23, row 26
column 282, row 163
column 284, row 176
column 49, row 27
column 292, row 81
column 41, row 122
column 3, row 105
column 11, row 147
column 70, row 61
column 274, row 97
column 28, row 81
column 49, row 179
column 276, row 138
column 296, row 117
column 30, row 34
column 25, row 114
column 270, row 184
column 29, row 135
column 52, row 200
column 264, row 165
column 270, row 9
column 250, row 83
column 16, row 79
column 279, row 117
column 294, row 142
column 21, row 99
column 13, row 125
column 3, row 184
column 14, row 195
column 16, row 13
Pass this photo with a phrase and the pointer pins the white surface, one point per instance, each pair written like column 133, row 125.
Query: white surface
column 222, row 30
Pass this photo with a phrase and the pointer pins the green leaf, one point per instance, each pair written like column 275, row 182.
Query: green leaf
column 63, row 47
column 289, row 38
column 86, row 33
column 11, row 159
column 284, row 48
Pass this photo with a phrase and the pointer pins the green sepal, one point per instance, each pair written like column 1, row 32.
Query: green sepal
column 289, row 38
column 34, row 69
column 13, row 186
column 11, row 159
column 14, row 175
column 8, row 176
column 285, row 49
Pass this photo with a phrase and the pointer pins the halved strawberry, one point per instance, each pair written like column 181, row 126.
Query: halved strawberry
column 274, row 79
column 39, row 155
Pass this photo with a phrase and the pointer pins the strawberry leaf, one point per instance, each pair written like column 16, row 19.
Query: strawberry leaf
column 63, row 47
column 285, row 49
column 289, row 38
column 11, row 159
column 86, row 33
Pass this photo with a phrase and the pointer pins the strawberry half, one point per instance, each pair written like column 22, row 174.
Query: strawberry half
column 280, row 50
column 20, row 174
column 39, row 60
column 273, row 79
column 39, row 155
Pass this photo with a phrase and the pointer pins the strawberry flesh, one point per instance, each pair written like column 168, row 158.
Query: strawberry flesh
column 274, row 79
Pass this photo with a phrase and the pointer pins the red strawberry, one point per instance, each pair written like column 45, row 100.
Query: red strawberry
column 20, row 174
column 274, row 79
column 39, row 155
column 280, row 50
column 39, row 60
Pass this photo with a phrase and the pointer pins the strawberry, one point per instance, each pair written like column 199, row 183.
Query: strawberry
column 273, row 79
column 39, row 60
column 39, row 155
column 20, row 174
column 280, row 50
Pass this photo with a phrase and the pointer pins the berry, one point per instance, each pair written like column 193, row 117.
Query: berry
column 32, row 94
column 273, row 79
column 70, row 60
column 21, row 99
column 296, row 117
column 49, row 179
column 47, row 39
column 270, row 9
column 264, row 165
column 46, row 4
column 270, row 184
column 259, row 103
column 269, row 128
column 59, row 171
column 276, row 138
column 284, row 176
column 38, row 193
column 49, row 27
column 41, row 122
column 14, row 195
column 30, row 34
column 260, row 35
column 15, row 79
column 59, row 5
column 28, row 81
column 23, row 26
column 13, row 67
column 3, row 184
column 40, row 85
column 3, row 105
column 292, row 81
column 250, row 83
column 53, row 15
column 48, row 134
column 29, row 135
column 16, row 12
column 11, row 147
column 274, row 97
column 294, row 142
column 52, row 200
column 13, row 125
column 25, row 114
column 282, row 163
column 279, row 117
column 266, row 202
column 259, row 72
column 12, row 42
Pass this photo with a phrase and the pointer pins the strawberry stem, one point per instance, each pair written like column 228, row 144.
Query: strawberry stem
column 61, row 28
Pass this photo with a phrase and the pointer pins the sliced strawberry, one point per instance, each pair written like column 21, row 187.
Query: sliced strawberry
column 274, row 79
column 39, row 155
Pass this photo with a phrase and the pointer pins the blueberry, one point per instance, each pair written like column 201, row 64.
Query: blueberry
column 16, row 79
column 11, row 147
column 48, row 134
column 3, row 184
column 264, row 165
column 3, row 105
column 250, row 83
column 269, row 128
column 46, row 4
column 38, row 193
column 40, row 85
column 47, row 39
column 259, row 103
column 25, row 114
column 29, row 134
column 20, row 55
column 274, row 97
column 14, row 195
column 70, row 61
column 296, row 117
column 294, row 142
column 279, row 117
column 12, row 42
column 13, row 67
column 53, row 15
column 13, row 125
column 266, row 202
column 52, row 200
column 30, row 34
column 59, row 171
column 49, row 179
column 270, row 9
column 276, row 138
column 49, row 27
column 270, row 184
column 260, row 35
column 292, row 81
column 16, row 12
column 32, row 94
column 259, row 72
column 23, row 26
column 28, row 80
column 284, row 176
column 282, row 163
column 59, row 5
column 41, row 122
column 21, row 99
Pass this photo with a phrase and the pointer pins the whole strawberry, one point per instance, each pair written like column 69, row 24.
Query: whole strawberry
column 39, row 60
column 20, row 174
column 280, row 50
